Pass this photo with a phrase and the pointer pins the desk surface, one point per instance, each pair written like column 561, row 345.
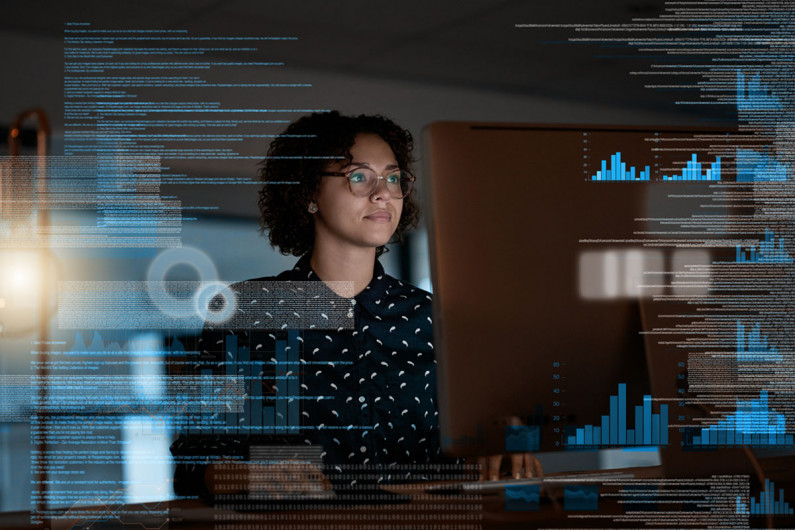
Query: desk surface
column 459, row 512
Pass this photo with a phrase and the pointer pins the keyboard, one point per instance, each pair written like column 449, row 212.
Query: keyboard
column 496, row 486
column 324, row 500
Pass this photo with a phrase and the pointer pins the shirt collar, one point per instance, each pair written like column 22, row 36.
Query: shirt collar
column 303, row 270
column 370, row 298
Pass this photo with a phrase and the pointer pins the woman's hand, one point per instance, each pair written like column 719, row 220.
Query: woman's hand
column 523, row 465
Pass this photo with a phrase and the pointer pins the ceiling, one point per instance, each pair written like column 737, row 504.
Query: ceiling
column 466, row 43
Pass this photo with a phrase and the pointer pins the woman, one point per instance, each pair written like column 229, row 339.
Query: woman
column 337, row 190
column 346, row 208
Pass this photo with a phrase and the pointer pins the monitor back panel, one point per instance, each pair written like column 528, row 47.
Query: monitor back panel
column 536, row 269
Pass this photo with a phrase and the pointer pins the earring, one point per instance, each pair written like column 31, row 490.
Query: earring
column 312, row 208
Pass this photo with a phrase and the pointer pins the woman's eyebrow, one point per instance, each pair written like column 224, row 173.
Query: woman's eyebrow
column 366, row 164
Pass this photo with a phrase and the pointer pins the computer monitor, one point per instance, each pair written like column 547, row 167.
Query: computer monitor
column 543, row 239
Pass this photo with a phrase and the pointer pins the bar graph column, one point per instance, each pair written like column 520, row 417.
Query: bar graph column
column 255, row 397
column 281, row 386
column 622, row 414
column 613, row 420
column 244, row 375
column 230, row 369
column 293, row 401
column 209, row 412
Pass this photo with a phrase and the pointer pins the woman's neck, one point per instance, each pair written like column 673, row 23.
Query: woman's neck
column 353, row 264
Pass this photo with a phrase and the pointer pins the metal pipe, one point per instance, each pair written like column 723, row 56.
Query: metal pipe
column 42, row 131
column 41, row 426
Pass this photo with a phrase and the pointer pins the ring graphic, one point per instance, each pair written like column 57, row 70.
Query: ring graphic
column 179, row 306
column 215, row 302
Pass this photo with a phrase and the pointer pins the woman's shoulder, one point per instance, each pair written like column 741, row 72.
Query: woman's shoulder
column 407, row 295
column 295, row 274
column 279, row 277
column 402, row 287
column 384, row 284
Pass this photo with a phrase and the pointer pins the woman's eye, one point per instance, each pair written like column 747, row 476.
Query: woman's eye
column 357, row 177
column 393, row 179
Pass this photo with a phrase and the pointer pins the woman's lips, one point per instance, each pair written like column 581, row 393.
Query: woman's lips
column 381, row 216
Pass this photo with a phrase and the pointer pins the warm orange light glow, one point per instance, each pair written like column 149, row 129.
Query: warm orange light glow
column 20, row 279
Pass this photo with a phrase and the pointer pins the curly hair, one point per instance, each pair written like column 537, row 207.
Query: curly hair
column 297, row 157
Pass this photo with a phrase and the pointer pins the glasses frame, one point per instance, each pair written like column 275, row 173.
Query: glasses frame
column 348, row 173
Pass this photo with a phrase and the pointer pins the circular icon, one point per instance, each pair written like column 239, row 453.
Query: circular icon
column 177, row 306
column 215, row 302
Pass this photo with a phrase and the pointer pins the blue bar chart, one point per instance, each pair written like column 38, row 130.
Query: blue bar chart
column 767, row 503
column 269, row 402
column 753, row 166
column 618, row 171
column 753, row 347
column 771, row 250
column 754, row 423
column 692, row 172
column 650, row 428
column 754, row 96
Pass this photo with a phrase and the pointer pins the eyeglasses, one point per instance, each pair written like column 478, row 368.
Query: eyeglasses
column 363, row 181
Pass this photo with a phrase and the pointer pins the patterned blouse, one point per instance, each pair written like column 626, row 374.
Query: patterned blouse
column 370, row 387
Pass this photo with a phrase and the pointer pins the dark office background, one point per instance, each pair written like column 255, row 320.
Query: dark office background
column 415, row 61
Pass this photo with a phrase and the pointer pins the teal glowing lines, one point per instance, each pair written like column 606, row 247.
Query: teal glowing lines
column 692, row 172
column 618, row 171
column 650, row 429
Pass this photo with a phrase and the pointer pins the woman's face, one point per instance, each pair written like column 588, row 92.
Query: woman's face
column 344, row 219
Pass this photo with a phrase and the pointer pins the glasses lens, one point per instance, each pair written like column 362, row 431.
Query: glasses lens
column 399, row 184
column 394, row 184
column 362, row 181
column 406, row 181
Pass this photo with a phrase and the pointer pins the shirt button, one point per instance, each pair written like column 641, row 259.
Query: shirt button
column 361, row 399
